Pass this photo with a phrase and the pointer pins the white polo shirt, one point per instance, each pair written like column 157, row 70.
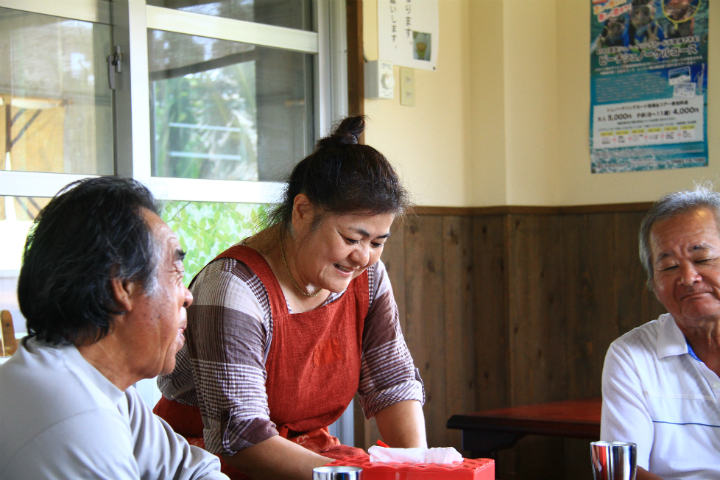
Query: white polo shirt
column 657, row 394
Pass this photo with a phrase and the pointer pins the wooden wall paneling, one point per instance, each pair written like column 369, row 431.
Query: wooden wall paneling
column 533, row 210
column 536, row 320
column 489, row 315
column 537, row 333
column 589, row 298
column 424, row 328
column 632, row 305
column 460, row 374
column 590, row 303
column 547, row 294
column 637, row 305
column 490, row 319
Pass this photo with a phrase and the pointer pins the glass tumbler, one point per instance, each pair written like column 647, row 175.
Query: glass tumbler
column 613, row 460
column 337, row 473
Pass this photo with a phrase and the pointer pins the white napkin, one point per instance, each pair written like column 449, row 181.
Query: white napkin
column 414, row 455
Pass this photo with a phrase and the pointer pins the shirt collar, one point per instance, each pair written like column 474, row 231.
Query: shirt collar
column 691, row 351
column 68, row 353
column 98, row 379
column 671, row 341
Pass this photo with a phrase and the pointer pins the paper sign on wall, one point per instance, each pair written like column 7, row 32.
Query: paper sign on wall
column 408, row 32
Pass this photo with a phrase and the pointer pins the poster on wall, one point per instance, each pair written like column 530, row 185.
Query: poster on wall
column 408, row 33
column 648, row 84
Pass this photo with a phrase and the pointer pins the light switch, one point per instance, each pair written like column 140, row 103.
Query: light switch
column 379, row 79
column 407, row 86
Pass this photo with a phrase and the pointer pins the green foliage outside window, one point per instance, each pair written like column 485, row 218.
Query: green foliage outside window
column 204, row 107
column 206, row 229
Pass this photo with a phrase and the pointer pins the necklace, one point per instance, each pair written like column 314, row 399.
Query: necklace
column 282, row 249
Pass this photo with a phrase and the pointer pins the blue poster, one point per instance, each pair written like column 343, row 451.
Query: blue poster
column 648, row 82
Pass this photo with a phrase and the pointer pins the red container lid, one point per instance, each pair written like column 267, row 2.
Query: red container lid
column 468, row 469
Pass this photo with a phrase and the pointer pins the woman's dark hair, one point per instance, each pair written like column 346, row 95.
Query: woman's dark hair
column 92, row 232
column 342, row 177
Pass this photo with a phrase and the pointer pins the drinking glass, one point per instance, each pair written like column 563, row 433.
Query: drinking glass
column 613, row 460
column 337, row 473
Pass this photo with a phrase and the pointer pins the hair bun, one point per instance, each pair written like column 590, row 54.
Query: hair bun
column 346, row 132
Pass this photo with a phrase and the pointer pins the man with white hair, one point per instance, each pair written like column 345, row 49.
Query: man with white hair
column 661, row 381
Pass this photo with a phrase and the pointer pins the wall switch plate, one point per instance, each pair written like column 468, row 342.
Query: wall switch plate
column 379, row 79
column 407, row 86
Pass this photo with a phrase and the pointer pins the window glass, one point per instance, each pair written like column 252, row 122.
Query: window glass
column 295, row 14
column 206, row 229
column 16, row 217
column 54, row 95
column 228, row 110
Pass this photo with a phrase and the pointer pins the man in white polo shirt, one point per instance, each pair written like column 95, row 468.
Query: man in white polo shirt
column 660, row 381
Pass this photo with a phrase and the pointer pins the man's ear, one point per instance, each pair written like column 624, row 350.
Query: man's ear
column 124, row 292
column 654, row 289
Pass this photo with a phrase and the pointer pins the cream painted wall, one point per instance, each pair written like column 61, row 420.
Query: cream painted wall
column 427, row 142
column 485, row 166
column 531, row 101
column 505, row 118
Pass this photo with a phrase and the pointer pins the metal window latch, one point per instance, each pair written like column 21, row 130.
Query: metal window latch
column 114, row 63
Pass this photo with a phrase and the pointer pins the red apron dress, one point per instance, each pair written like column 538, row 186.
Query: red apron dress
column 313, row 367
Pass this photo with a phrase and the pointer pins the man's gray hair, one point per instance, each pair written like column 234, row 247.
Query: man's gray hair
column 672, row 205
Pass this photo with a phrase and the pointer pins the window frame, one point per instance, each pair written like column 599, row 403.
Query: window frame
column 130, row 21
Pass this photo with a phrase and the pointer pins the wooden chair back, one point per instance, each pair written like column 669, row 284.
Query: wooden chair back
column 8, row 343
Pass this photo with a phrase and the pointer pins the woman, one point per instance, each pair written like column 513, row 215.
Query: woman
column 288, row 326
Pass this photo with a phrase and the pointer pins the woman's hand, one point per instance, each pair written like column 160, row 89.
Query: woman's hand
column 402, row 425
column 276, row 458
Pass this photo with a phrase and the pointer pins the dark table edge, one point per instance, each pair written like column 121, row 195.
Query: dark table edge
column 589, row 430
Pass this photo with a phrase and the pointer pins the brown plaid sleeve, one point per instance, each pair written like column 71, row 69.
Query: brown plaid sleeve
column 221, row 368
column 388, row 373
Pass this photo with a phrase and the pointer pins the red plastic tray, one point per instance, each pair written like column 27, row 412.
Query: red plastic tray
column 477, row 469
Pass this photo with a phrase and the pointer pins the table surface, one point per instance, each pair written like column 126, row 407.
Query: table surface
column 572, row 418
